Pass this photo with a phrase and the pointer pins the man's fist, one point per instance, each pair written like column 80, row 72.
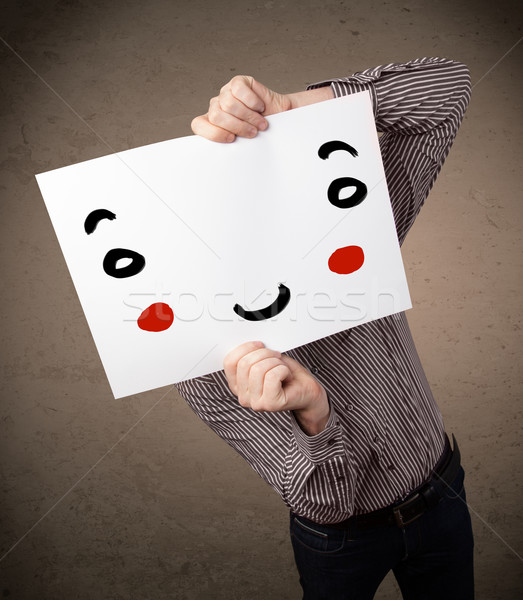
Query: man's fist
column 239, row 109
column 266, row 380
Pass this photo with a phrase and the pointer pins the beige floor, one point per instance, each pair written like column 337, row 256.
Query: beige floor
column 96, row 505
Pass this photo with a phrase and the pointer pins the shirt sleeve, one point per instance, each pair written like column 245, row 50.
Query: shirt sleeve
column 418, row 107
column 272, row 442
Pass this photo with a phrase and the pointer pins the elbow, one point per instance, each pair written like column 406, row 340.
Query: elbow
column 463, row 87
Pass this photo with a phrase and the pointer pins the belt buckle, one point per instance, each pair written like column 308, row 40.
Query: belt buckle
column 398, row 517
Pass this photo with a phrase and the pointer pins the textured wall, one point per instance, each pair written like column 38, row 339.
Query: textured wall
column 135, row 498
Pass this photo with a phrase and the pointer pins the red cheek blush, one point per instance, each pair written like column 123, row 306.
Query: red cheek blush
column 346, row 260
column 157, row 317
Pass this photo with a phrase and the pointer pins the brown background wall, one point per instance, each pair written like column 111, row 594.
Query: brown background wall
column 135, row 498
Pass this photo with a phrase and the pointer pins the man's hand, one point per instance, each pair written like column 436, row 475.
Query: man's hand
column 264, row 379
column 240, row 108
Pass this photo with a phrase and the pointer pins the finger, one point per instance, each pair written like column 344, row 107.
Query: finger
column 241, row 88
column 254, row 94
column 219, row 117
column 273, row 397
column 256, row 377
column 274, row 102
column 230, row 362
column 300, row 384
column 248, row 362
column 201, row 126
column 235, row 107
column 294, row 365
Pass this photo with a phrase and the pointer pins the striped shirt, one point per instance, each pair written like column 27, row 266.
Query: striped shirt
column 385, row 432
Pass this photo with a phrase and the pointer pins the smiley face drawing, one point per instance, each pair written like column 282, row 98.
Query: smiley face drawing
column 159, row 316
column 181, row 250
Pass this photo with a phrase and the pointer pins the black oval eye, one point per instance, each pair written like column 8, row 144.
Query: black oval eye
column 113, row 256
column 359, row 195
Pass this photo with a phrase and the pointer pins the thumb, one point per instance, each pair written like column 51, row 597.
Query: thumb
column 294, row 366
column 273, row 101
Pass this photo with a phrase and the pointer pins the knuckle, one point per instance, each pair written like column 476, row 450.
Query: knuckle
column 214, row 111
column 258, row 406
column 227, row 103
column 243, row 363
column 228, row 367
column 253, row 119
column 273, row 374
column 238, row 82
column 270, row 376
column 257, row 370
column 243, row 401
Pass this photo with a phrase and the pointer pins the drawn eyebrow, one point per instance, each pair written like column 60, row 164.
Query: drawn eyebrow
column 94, row 217
column 329, row 147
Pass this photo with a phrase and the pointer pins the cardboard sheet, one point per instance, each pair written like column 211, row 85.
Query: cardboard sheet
column 181, row 250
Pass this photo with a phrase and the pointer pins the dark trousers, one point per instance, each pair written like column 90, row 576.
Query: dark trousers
column 432, row 557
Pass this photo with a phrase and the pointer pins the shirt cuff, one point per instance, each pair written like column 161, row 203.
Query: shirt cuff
column 323, row 446
column 348, row 86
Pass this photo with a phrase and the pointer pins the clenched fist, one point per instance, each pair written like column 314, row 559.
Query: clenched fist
column 242, row 105
column 266, row 380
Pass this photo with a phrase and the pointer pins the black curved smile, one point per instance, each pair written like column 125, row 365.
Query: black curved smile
column 268, row 312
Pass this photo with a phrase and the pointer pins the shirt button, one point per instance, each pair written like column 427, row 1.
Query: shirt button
column 331, row 441
column 350, row 406
column 315, row 370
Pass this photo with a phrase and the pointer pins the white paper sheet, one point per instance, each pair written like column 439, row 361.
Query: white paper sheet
column 220, row 225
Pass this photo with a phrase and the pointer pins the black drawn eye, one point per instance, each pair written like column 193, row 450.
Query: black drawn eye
column 156, row 317
column 333, row 193
column 111, row 259
column 110, row 264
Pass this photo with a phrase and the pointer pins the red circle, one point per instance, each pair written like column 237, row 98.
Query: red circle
column 346, row 260
column 157, row 317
